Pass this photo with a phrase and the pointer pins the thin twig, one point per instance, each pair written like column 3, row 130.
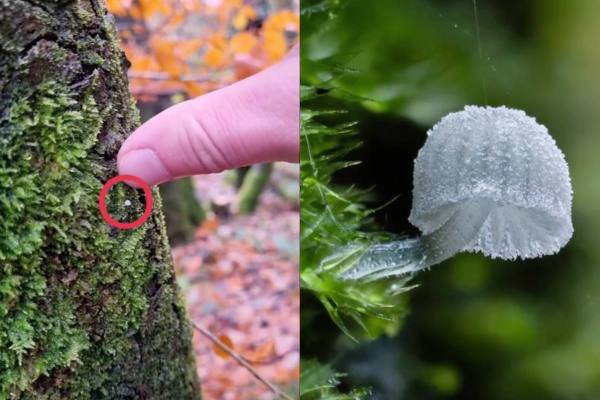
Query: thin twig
column 240, row 360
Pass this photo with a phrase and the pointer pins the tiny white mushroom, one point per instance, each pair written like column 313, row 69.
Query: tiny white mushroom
column 127, row 203
column 488, row 179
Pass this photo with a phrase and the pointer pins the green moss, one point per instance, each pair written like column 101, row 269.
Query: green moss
column 49, row 148
column 87, row 311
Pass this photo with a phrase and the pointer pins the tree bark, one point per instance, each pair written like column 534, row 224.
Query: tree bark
column 183, row 212
column 254, row 183
column 87, row 311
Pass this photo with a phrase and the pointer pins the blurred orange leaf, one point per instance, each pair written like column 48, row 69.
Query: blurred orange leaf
column 149, row 8
column 226, row 340
column 262, row 353
column 243, row 16
column 187, row 48
column 240, row 21
column 195, row 89
column 242, row 42
column 134, row 12
column 217, row 40
column 210, row 225
column 168, row 40
column 234, row 3
column 274, row 45
column 248, row 11
column 116, row 7
column 282, row 21
column 164, row 51
column 140, row 61
column 214, row 57
column 176, row 20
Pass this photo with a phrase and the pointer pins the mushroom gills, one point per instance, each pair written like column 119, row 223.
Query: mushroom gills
column 411, row 255
column 480, row 225
column 513, row 231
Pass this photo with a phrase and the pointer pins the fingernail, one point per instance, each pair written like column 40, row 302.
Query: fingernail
column 145, row 164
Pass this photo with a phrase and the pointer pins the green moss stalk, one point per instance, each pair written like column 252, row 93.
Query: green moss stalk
column 86, row 311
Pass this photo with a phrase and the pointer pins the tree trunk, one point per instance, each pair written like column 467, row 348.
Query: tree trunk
column 255, row 181
column 86, row 311
column 183, row 212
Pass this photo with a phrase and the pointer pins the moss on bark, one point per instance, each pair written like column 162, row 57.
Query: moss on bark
column 86, row 311
column 254, row 183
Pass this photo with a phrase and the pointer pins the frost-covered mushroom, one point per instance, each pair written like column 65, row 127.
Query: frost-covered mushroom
column 487, row 179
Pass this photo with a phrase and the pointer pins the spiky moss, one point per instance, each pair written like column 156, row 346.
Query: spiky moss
column 86, row 311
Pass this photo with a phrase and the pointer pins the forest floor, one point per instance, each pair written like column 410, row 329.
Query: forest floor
column 240, row 278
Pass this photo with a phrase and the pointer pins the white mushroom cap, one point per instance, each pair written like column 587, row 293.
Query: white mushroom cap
column 504, row 156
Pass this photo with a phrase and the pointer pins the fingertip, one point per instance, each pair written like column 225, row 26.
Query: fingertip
column 143, row 163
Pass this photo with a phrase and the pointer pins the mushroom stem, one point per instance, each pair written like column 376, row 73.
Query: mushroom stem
column 412, row 255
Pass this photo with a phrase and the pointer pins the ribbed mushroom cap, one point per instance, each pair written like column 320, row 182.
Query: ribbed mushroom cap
column 504, row 156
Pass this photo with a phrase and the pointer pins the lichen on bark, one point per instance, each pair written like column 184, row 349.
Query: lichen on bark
column 86, row 311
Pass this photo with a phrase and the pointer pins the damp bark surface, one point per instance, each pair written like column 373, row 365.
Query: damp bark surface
column 87, row 311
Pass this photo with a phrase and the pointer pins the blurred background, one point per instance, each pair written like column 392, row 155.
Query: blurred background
column 476, row 328
column 234, row 235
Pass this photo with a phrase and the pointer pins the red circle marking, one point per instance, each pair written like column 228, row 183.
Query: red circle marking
column 104, row 192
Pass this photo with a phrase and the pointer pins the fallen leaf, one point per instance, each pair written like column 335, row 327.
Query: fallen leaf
column 262, row 353
column 219, row 350
column 243, row 42
column 275, row 45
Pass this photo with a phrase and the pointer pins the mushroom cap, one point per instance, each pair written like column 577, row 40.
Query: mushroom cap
column 504, row 156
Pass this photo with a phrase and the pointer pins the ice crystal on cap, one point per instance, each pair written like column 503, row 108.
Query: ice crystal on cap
column 504, row 161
